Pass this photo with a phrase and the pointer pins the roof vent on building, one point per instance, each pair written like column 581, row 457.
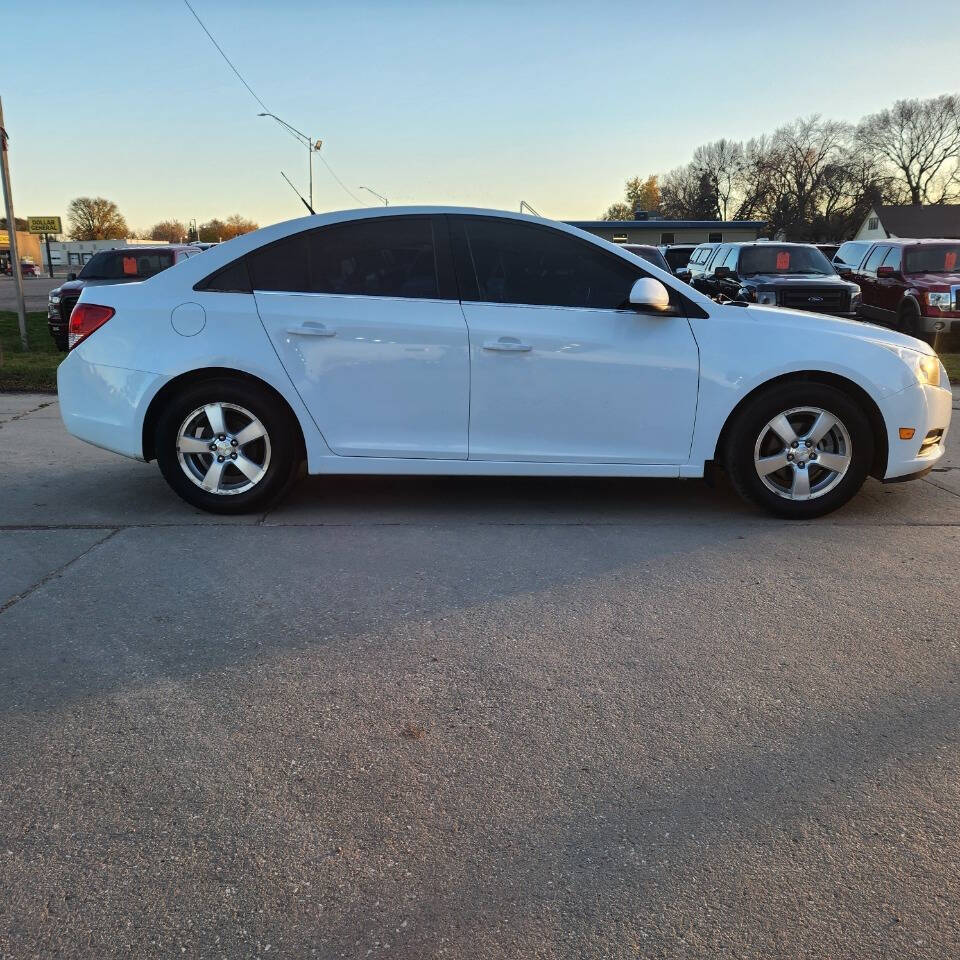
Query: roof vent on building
column 639, row 214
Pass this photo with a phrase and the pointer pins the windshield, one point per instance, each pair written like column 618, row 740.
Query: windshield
column 931, row 259
column 774, row 258
column 125, row 265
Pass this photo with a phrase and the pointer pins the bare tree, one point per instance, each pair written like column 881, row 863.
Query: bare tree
column 920, row 140
column 95, row 218
column 173, row 231
column 722, row 163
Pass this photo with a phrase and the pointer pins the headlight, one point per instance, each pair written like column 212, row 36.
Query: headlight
column 926, row 367
column 53, row 298
column 767, row 297
column 854, row 298
column 941, row 300
column 746, row 293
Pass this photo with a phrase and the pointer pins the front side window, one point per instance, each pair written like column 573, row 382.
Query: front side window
column 892, row 259
column 875, row 258
column 125, row 265
column 502, row 261
column 935, row 258
column 775, row 258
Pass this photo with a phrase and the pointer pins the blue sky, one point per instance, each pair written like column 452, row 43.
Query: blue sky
column 479, row 103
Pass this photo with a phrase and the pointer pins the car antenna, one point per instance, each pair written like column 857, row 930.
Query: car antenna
column 297, row 192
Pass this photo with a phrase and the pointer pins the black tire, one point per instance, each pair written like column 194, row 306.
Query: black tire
column 752, row 423
column 280, row 460
column 908, row 320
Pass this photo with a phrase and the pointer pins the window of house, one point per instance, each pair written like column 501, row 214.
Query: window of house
column 620, row 238
column 667, row 238
column 873, row 223
column 714, row 238
column 505, row 261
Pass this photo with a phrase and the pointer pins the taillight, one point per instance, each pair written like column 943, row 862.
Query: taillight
column 85, row 318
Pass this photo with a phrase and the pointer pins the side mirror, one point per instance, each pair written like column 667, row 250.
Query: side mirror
column 886, row 272
column 71, row 276
column 649, row 295
column 722, row 273
column 682, row 273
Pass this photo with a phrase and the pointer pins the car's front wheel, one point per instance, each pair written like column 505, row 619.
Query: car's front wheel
column 800, row 449
column 227, row 446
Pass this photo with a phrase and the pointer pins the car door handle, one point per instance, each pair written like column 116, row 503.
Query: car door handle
column 312, row 329
column 507, row 345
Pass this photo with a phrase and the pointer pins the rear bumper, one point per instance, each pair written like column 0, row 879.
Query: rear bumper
column 105, row 405
column 922, row 409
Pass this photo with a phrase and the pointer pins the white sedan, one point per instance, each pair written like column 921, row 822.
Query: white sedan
column 430, row 340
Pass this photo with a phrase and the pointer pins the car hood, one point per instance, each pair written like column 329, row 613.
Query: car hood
column 821, row 323
column 75, row 286
column 801, row 280
column 933, row 279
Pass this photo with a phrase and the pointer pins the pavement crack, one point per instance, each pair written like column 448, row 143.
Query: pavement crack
column 53, row 574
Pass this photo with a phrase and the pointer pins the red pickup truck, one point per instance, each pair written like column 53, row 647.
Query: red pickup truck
column 911, row 284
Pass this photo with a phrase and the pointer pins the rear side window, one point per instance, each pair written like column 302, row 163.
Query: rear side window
column 375, row 258
column 233, row 278
column 718, row 256
column 876, row 257
column 502, row 261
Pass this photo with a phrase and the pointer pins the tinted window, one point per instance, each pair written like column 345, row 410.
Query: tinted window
column 940, row 258
column 126, row 264
column 502, row 261
column 232, row 278
column 281, row 265
column 678, row 257
column 376, row 258
column 731, row 260
column 774, row 258
column 650, row 254
column 876, row 256
column 718, row 257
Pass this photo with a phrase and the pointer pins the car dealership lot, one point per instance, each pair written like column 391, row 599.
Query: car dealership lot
column 486, row 718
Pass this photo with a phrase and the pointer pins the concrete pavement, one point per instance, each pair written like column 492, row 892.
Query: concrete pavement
column 35, row 290
column 463, row 718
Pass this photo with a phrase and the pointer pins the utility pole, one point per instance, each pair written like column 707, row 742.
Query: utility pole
column 12, row 231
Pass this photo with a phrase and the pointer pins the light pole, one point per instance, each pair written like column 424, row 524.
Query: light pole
column 12, row 233
column 311, row 145
column 386, row 202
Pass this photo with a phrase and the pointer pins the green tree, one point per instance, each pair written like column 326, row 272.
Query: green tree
column 639, row 194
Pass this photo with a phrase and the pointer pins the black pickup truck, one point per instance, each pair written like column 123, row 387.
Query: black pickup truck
column 795, row 275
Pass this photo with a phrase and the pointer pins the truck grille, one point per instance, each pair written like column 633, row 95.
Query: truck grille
column 818, row 300
column 66, row 306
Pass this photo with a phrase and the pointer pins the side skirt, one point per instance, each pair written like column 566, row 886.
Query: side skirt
column 496, row 468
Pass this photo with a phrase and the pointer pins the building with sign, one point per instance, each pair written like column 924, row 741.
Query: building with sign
column 28, row 245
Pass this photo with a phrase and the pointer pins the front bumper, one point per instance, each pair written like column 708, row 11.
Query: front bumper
column 940, row 323
column 923, row 409
column 105, row 405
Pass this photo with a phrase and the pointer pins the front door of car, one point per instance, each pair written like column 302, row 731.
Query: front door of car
column 866, row 279
column 562, row 370
column 365, row 318
column 890, row 282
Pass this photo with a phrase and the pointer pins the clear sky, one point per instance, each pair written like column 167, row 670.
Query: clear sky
column 483, row 103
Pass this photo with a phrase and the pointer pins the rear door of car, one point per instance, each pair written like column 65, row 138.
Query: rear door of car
column 366, row 320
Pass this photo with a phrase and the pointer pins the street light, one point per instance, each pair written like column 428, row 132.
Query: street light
column 386, row 202
column 311, row 145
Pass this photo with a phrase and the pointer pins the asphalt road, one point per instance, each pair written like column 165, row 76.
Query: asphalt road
column 479, row 719
column 35, row 290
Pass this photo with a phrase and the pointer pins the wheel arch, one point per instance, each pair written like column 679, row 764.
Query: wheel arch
column 853, row 390
column 198, row 376
column 911, row 302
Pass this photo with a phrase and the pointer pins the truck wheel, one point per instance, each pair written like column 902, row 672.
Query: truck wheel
column 799, row 449
column 908, row 320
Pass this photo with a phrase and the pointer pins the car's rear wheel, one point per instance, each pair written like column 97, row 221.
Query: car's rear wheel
column 227, row 446
column 800, row 449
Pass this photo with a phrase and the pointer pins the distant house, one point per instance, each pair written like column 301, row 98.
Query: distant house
column 655, row 232
column 911, row 222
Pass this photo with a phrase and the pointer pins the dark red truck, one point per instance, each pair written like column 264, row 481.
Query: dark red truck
column 913, row 285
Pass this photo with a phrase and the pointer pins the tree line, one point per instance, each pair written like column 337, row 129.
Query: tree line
column 813, row 179
column 96, row 218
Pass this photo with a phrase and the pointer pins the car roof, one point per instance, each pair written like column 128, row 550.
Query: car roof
column 907, row 242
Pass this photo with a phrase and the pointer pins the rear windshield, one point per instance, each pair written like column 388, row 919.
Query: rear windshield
column 678, row 257
column 786, row 260
column 932, row 259
column 125, row 264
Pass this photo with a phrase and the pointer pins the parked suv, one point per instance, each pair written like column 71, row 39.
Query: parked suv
column 795, row 275
column 123, row 265
column 698, row 261
column 913, row 285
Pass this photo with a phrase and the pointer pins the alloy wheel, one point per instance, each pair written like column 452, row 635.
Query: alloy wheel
column 223, row 448
column 803, row 453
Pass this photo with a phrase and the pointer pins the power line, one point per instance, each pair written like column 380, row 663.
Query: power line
column 262, row 104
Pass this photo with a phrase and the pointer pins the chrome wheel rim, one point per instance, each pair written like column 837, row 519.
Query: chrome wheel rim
column 803, row 453
column 223, row 448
